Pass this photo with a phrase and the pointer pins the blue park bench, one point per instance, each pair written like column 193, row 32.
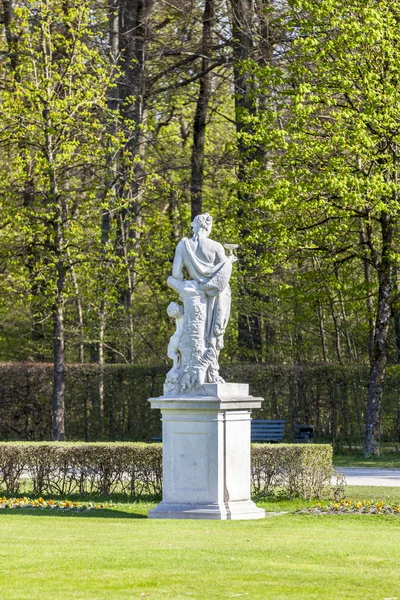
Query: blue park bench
column 263, row 430
column 269, row 430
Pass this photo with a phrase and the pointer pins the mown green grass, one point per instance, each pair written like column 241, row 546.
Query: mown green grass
column 118, row 553
column 356, row 459
column 391, row 495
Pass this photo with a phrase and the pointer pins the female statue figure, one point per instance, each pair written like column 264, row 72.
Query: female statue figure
column 206, row 298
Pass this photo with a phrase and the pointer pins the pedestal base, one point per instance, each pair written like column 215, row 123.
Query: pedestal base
column 206, row 454
column 227, row 511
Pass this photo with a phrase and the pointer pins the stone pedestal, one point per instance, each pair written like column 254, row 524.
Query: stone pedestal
column 206, row 454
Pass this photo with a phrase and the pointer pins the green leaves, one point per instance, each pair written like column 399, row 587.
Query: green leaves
column 327, row 143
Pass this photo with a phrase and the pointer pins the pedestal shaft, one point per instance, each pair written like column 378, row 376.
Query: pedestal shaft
column 206, row 455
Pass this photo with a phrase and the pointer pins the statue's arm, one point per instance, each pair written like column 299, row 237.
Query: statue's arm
column 177, row 267
column 179, row 325
column 178, row 285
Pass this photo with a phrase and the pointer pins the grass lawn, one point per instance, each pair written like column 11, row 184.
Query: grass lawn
column 356, row 459
column 118, row 553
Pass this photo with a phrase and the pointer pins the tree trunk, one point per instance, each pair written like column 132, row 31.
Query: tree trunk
column 58, row 315
column 337, row 333
column 11, row 36
column 111, row 183
column 321, row 323
column 351, row 354
column 105, row 233
column 396, row 313
column 57, row 206
column 396, row 318
column 134, row 24
column 250, row 345
column 59, row 357
column 200, row 118
column 368, row 301
column 79, row 309
column 58, row 415
column 380, row 346
column 102, row 328
column 242, row 28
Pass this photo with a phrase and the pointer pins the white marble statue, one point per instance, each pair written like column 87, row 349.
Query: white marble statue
column 202, row 320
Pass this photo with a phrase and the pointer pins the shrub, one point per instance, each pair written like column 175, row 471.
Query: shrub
column 294, row 469
column 104, row 469
column 135, row 469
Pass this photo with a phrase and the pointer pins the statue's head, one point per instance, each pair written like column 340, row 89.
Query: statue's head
column 202, row 222
column 174, row 310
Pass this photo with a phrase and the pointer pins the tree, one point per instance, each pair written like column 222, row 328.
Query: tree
column 55, row 107
column 200, row 117
column 332, row 132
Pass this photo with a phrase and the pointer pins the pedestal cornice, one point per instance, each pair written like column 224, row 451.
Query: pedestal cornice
column 210, row 396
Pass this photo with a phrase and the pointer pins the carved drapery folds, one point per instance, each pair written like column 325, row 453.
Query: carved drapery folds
column 202, row 317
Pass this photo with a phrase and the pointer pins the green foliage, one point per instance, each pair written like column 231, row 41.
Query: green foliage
column 319, row 151
column 129, row 469
column 64, row 123
column 54, row 114
column 303, row 470
column 136, row 469
column 323, row 135
column 319, row 172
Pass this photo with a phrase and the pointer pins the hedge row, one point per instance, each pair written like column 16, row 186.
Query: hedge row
column 332, row 398
column 104, row 469
column 303, row 470
column 135, row 469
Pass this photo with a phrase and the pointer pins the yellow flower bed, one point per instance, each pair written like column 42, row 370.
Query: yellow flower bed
column 25, row 502
column 351, row 507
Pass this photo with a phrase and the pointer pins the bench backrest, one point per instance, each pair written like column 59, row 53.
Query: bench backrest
column 264, row 430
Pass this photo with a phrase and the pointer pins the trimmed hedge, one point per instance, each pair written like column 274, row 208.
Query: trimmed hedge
column 135, row 469
column 328, row 397
column 303, row 470
column 132, row 469
column 332, row 398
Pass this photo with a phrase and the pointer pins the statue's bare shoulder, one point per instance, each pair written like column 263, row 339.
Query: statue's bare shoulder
column 216, row 248
column 181, row 244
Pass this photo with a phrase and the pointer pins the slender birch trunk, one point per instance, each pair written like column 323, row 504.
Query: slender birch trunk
column 380, row 343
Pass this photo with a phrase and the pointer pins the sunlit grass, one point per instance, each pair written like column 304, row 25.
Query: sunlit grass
column 388, row 459
column 117, row 552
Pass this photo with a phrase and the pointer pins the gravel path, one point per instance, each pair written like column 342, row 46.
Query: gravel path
column 370, row 476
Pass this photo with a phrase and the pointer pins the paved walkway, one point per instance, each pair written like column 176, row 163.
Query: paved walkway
column 370, row 476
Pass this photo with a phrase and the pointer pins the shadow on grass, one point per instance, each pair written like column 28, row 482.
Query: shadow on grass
column 97, row 499
column 113, row 511
column 102, row 513
column 94, row 498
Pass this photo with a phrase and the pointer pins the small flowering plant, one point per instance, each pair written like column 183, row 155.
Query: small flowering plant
column 350, row 507
column 65, row 505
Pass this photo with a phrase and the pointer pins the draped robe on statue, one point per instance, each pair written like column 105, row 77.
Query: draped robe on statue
column 206, row 299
